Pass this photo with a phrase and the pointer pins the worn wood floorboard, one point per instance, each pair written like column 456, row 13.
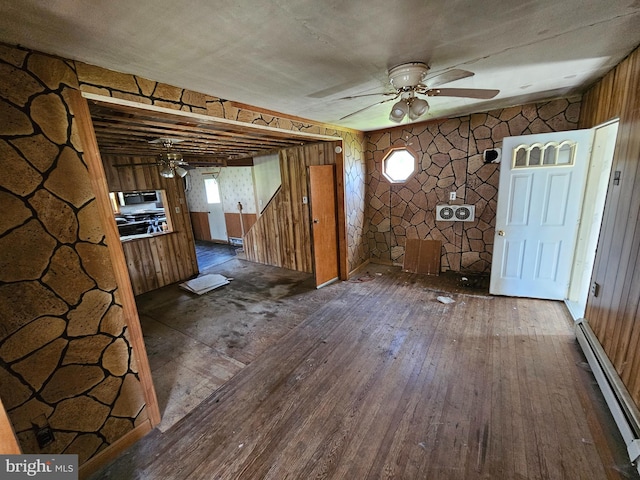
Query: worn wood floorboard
column 384, row 381
column 210, row 254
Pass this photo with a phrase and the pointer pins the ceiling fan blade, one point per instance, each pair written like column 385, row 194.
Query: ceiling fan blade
column 480, row 93
column 370, row 106
column 446, row 77
column 368, row 95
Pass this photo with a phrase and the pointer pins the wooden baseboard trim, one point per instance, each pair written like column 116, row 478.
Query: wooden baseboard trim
column 380, row 261
column 112, row 451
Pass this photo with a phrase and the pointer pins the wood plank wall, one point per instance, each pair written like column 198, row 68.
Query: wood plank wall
column 200, row 223
column 614, row 315
column 234, row 228
column 281, row 236
column 157, row 261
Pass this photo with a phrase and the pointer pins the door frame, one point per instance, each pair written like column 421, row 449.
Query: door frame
column 80, row 109
column 592, row 216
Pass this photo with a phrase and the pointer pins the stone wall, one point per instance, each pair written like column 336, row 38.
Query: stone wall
column 450, row 159
column 133, row 88
column 64, row 347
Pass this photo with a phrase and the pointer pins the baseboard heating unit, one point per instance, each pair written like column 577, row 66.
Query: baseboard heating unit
column 620, row 403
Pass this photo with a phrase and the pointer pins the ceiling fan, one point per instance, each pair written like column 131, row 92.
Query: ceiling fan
column 409, row 80
column 170, row 162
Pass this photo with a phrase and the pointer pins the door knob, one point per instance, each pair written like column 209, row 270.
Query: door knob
column 501, row 233
column 315, row 220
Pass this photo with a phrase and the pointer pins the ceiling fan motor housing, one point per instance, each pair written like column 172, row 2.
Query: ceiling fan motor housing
column 408, row 74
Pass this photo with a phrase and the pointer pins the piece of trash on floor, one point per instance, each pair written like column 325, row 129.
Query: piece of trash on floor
column 362, row 278
column 205, row 283
column 445, row 300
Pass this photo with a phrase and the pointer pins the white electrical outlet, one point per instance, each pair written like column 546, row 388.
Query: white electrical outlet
column 452, row 195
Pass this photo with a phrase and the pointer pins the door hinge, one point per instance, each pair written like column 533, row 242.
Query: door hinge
column 616, row 177
column 595, row 289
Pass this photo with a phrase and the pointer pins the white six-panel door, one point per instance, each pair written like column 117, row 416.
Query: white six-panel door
column 542, row 179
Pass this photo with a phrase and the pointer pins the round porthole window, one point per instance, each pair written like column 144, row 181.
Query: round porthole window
column 399, row 164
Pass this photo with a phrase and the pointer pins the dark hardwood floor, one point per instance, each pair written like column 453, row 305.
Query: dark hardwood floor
column 382, row 380
column 210, row 254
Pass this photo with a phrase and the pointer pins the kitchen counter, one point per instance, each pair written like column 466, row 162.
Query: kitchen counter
column 138, row 236
column 140, row 223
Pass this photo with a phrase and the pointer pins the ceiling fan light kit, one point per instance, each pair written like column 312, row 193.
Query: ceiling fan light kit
column 171, row 163
column 167, row 172
column 418, row 108
column 398, row 111
column 171, row 169
column 409, row 105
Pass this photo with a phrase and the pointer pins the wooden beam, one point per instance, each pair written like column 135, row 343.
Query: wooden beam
column 140, row 109
column 343, row 241
column 99, row 184
column 8, row 442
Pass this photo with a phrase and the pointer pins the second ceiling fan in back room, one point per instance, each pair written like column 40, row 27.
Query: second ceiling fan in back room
column 170, row 162
column 410, row 80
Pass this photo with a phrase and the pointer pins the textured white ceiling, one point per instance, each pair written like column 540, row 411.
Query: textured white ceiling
column 301, row 57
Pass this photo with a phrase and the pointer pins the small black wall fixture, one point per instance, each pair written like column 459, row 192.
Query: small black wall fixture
column 492, row 155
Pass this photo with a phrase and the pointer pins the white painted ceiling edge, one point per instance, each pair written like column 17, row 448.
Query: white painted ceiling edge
column 300, row 57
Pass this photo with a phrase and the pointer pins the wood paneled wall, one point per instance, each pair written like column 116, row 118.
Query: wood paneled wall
column 281, row 236
column 234, row 227
column 200, row 223
column 164, row 259
column 614, row 315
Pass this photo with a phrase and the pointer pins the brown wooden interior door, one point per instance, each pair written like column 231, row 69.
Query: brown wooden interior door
column 322, row 191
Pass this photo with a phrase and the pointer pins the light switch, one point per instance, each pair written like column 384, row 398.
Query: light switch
column 452, row 195
column 305, row 200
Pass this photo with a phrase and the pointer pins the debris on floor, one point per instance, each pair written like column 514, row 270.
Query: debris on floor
column 475, row 281
column 367, row 277
column 205, row 283
column 445, row 300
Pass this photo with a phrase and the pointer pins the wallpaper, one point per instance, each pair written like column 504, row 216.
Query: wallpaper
column 236, row 185
column 196, row 198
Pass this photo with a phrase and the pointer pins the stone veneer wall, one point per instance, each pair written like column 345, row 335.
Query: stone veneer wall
column 64, row 348
column 450, row 159
column 133, row 88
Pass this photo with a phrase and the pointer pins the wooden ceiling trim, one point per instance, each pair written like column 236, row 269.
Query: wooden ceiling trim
column 124, row 128
column 178, row 129
column 132, row 137
column 106, row 130
column 179, row 116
